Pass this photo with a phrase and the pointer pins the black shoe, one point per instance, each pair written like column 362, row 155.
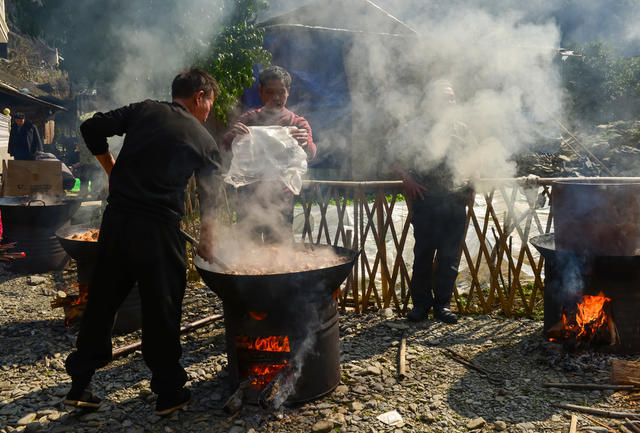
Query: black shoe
column 168, row 403
column 84, row 399
column 445, row 315
column 418, row 313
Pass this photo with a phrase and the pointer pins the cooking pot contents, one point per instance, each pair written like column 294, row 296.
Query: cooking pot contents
column 266, row 260
column 88, row 236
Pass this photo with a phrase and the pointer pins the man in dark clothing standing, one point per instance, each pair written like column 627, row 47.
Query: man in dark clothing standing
column 24, row 140
column 438, row 219
column 165, row 143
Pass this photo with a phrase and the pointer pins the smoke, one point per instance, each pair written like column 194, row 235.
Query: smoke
column 158, row 40
column 503, row 75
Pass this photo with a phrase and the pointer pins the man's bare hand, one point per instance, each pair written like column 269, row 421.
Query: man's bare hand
column 300, row 134
column 239, row 128
column 413, row 188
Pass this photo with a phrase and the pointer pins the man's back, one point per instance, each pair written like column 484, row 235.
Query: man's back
column 163, row 146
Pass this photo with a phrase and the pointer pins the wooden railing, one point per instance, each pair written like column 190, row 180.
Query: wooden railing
column 499, row 269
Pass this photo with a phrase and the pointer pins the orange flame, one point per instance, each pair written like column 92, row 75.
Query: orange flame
column 590, row 317
column 275, row 343
column 261, row 375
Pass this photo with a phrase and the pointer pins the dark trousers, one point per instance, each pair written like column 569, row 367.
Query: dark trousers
column 134, row 247
column 265, row 210
column 438, row 226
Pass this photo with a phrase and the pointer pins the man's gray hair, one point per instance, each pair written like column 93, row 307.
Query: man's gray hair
column 274, row 73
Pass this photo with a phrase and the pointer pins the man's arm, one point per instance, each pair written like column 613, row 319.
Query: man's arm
column 102, row 125
column 209, row 184
column 411, row 187
column 310, row 147
column 107, row 161
column 239, row 127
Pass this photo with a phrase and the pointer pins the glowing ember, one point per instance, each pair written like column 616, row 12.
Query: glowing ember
column 259, row 373
column 256, row 315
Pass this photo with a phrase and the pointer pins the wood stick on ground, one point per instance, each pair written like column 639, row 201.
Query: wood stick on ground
column 574, row 424
column 130, row 348
column 595, row 421
column 605, row 413
column 634, row 397
column 402, row 360
column 634, row 427
column 625, row 372
column 623, row 429
column 568, row 385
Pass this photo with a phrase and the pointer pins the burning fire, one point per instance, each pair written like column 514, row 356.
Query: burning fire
column 275, row 343
column 261, row 374
column 590, row 323
column 72, row 304
column 591, row 315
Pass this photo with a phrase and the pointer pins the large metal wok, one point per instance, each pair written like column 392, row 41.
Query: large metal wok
column 268, row 291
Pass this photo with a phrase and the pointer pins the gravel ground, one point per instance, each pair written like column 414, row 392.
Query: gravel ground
column 436, row 395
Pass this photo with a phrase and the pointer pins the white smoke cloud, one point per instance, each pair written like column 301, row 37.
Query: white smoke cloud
column 157, row 44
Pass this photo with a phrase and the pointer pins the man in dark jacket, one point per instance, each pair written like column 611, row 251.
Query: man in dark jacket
column 24, row 140
column 164, row 144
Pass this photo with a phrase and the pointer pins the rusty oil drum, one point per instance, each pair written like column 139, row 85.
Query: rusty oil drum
column 597, row 217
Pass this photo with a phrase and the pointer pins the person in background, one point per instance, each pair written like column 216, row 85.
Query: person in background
column 268, row 200
column 24, row 139
column 140, row 238
column 68, row 179
column 439, row 216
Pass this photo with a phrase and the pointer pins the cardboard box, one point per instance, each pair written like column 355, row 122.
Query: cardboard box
column 31, row 177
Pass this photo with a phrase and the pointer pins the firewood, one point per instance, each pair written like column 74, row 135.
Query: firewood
column 595, row 421
column 276, row 392
column 594, row 411
column 633, row 426
column 402, row 361
column 574, row 424
column 234, row 402
column 589, row 386
column 625, row 372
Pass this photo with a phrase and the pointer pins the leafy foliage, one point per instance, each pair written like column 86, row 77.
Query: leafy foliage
column 234, row 53
column 602, row 85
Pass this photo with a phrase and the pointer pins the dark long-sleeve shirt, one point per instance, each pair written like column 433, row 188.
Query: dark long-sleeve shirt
column 24, row 141
column 262, row 117
column 164, row 145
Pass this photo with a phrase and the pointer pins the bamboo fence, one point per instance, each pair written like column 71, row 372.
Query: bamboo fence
column 500, row 271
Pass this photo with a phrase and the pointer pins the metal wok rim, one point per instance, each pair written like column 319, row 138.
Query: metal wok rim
column 349, row 254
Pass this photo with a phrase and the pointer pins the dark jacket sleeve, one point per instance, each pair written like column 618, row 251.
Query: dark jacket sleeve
column 34, row 142
column 12, row 140
column 209, row 182
column 102, row 125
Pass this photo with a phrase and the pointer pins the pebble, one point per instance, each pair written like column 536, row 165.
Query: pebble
column 322, row 427
column 500, row 425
